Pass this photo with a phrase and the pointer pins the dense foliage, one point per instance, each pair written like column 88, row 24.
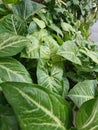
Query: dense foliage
column 48, row 65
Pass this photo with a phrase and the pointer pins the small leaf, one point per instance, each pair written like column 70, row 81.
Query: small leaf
column 87, row 116
column 12, row 70
column 67, row 27
column 56, row 29
column 32, row 27
column 40, row 23
column 36, row 108
column 70, row 51
column 11, row 45
column 83, row 91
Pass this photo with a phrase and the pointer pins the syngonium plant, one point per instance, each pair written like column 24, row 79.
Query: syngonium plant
column 48, row 66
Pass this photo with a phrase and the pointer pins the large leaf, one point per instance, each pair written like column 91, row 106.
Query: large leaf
column 50, row 76
column 7, row 119
column 83, row 92
column 36, row 108
column 42, row 46
column 13, row 24
column 12, row 70
column 70, row 51
column 87, row 116
column 11, row 44
column 27, row 8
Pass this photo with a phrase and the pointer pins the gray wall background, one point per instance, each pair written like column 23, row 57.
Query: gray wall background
column 94, row 32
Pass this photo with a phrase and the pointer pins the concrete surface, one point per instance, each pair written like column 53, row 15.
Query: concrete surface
column 94, row 32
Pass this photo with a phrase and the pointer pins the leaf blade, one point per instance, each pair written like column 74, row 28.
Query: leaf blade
column 37, row 109
column 83, row 91
column 11, row 45
column 12, row 70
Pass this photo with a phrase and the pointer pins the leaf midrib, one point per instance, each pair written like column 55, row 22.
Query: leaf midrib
column 58, row 122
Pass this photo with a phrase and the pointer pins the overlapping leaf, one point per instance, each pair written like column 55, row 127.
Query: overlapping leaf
column 42, row 46
column 7, row 119
column 70, row 51
column 11, row 44
column 27, row 8
column 13, row 24
column 36, row 108
column 83, row 91
column 50, row 76
column 87, row 116
column 92, row 54
column 12, row 70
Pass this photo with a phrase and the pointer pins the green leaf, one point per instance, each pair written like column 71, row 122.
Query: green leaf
column 39, row 22
column 12, row 70
column 42, row 46
column 56, row 29
column 11, row 44
column 87, row 116
column 93, row 55
column 67, row 27
column 7, row 119
column 70, row 51
column 50, row 76
column 11, row 1
column 83, row 91
column 36, row 108
column 13, row 24
column 32, row 27
column 27, row 8
column 3, row 10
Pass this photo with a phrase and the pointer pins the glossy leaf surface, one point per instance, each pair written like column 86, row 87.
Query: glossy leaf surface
column 12, row 70
column 36, row 108
column 11, row 44
column 83, row 91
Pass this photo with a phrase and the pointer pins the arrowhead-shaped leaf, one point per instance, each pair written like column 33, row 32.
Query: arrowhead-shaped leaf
column 42, row 46
column 70, row 51
column 50, row 76
column 11, row 44
column 83, row 91
column 12, row 70
column 36, row 108
column 87, row 116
